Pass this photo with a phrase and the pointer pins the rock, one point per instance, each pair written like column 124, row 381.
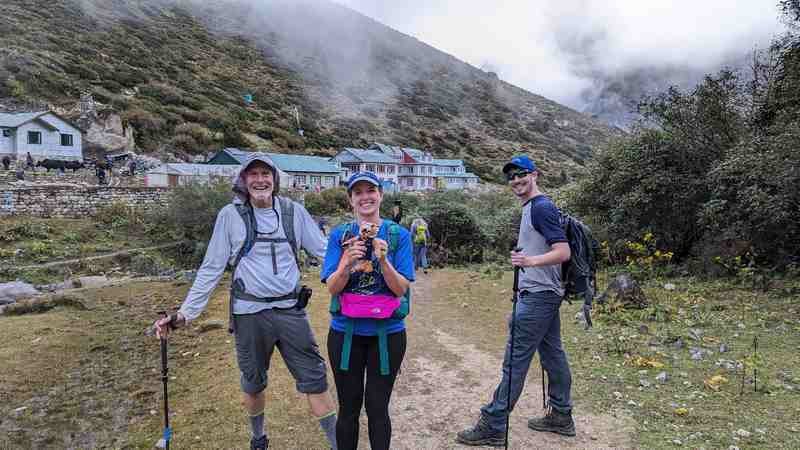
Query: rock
column 617, row 395
column 644, row 383
column 644, row 329
column 669, row 287
column 662, row 377
column 93, row 281
column 44, row 304
column 579, row 318
column 742, row 433
column 723, row 348
column 209, row 325
column 624, row 290
column 678, row 344
column 189, row 275
column 15, row 291
column 696, row 353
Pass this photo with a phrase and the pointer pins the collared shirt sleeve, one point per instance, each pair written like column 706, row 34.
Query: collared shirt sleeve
column 309, row 236
column 208, row 275
column 546, row 219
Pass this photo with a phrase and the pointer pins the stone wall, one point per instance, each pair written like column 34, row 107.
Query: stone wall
column 81, row 176
column 74, row 201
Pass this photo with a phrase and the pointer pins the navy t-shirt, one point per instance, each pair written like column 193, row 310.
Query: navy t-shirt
column 546, row 219
column 369, row 283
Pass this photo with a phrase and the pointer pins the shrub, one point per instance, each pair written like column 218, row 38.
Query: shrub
column 191, row 211
column 329, row 202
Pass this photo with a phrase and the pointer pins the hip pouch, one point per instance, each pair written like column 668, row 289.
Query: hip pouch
column 359, row 306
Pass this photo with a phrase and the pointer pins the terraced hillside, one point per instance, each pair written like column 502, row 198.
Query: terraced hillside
column 178, row 70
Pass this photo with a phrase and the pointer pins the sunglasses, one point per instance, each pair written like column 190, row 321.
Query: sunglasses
column 511, row 176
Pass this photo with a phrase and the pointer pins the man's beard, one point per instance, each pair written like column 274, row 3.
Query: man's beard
column 261, row 199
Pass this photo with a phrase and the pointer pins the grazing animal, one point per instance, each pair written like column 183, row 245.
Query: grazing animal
column 60, row 164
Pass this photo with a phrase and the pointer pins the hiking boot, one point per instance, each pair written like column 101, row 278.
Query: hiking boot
column 554, row 422
column 261, row 443
column 482, row 434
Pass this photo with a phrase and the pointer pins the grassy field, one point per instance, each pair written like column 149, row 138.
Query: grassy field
column 31, row 241
column 90, row 379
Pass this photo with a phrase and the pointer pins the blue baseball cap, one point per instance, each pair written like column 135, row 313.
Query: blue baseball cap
column 369, row 177
column 522, row 162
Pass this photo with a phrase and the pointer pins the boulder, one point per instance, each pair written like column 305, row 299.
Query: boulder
column 15, row 291
column 625, row 291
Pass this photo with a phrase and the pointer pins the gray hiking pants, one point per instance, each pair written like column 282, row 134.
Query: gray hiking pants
column 538, row 327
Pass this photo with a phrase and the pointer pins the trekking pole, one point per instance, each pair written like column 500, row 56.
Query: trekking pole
column 514, row 298
column 164, row 441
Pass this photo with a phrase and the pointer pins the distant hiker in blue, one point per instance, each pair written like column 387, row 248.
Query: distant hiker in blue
column 368, row 269
column 259, row 236
column 538, row 326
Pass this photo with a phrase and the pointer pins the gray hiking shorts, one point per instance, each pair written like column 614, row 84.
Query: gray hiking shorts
column 258, row 334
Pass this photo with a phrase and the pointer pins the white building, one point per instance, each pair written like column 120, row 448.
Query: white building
column 409, row 169
column 179, row 174
column 451, row 174
column 352, row 160
column 44, row 134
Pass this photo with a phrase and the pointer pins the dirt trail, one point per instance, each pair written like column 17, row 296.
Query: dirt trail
column 445, row 381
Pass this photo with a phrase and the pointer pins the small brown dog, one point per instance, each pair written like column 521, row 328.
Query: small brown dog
column 367, row 232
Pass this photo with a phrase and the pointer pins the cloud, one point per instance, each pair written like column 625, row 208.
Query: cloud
column 563, row 49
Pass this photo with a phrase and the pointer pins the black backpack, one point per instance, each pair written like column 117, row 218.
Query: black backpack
column 578, row 275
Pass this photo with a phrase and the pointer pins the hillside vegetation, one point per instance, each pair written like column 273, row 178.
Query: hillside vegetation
column 178, row 71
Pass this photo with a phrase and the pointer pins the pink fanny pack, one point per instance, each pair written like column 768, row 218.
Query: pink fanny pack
column 368, row 306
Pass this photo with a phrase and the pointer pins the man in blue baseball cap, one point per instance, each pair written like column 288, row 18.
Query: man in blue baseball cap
column 537, row 327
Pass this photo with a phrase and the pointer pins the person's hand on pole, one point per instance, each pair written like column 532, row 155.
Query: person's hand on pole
column 168, row 323
column 519, row 259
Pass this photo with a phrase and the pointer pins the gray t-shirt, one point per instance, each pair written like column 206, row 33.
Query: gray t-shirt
column 539, row 230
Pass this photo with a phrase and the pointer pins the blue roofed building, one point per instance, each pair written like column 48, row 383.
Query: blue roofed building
column 354, row 160
column 410, row 169
column 451, row 174
column 306, row 172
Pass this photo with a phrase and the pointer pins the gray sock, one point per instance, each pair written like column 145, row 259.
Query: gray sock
column 328, row 425
column 257, row 425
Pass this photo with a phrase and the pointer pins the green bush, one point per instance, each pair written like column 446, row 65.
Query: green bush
column 191, row 212
column 328, row 202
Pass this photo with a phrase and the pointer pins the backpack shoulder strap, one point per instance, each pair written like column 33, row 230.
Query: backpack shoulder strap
column 287, row 222
column 394, row 235
column 246, row 213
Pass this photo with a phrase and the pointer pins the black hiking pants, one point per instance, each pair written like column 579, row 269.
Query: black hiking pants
column 353, row 392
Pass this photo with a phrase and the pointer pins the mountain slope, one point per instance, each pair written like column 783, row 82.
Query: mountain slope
column 177, row 71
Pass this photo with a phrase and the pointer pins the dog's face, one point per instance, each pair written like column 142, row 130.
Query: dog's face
column 368, row 230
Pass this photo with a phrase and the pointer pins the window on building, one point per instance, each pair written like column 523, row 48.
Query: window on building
column 66, row 140
column 328, row 181
column 300, row 179
column 381, row 168
column 6, row 132
column 390, row 169
column 34, row 137
column 315, row 180
column 370, row 167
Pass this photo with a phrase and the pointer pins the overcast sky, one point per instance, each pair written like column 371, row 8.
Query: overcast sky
column 561, row 48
